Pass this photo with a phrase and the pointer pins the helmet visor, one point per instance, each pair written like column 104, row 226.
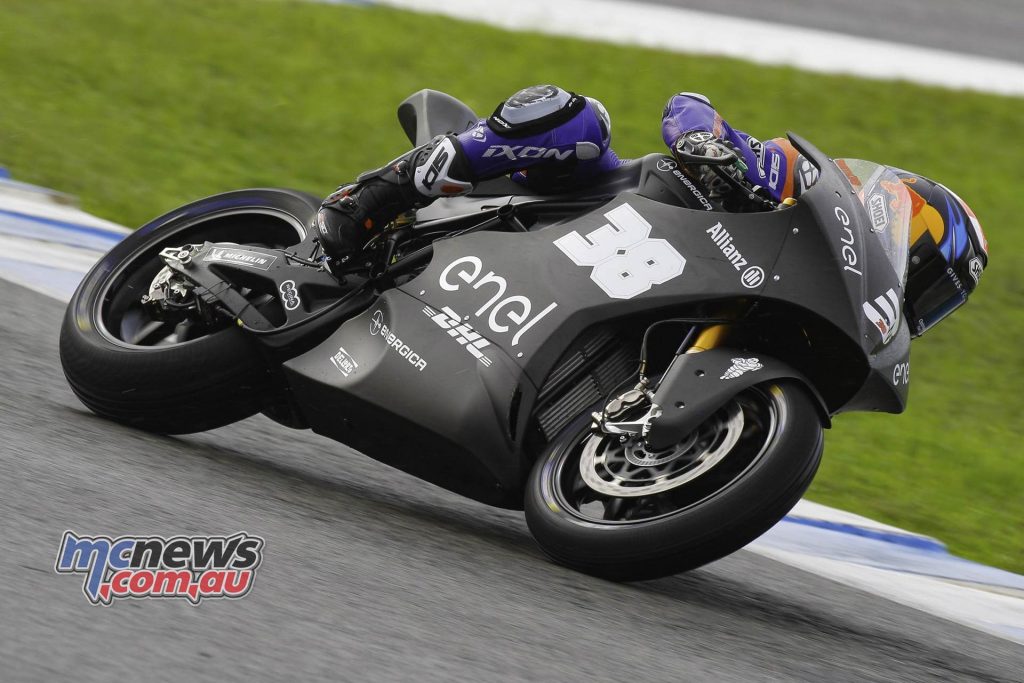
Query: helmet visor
column 942, row 297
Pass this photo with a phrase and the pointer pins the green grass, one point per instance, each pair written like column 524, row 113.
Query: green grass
column 141, row 105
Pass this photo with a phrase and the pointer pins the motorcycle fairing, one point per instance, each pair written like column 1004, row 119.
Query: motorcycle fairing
column 393, row 384
column 460, row 422
column 697, row 384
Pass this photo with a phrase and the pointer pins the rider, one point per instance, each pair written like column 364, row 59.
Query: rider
column 552, row 139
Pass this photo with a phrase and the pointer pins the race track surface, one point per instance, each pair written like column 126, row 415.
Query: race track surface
column 369, row 574
column 990, row 28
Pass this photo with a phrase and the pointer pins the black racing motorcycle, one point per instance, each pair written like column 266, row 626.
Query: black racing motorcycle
column 647, row 375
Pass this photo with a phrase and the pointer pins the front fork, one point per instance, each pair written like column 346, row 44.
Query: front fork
column 709, row 338
column 622, row 415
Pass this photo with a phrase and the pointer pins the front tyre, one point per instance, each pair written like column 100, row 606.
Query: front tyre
column 613, row 509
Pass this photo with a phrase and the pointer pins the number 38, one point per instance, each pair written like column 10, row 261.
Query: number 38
column 625, row 260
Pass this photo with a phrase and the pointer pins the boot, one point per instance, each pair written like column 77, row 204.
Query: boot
column 356, row 213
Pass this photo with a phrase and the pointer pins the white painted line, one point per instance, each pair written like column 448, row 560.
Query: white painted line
column 1000, row 615
column 51, row 254
column 690, row 31
column 20, row 203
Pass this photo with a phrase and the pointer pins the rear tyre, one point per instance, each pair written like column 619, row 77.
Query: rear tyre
column 191, row 375
column 592, row 507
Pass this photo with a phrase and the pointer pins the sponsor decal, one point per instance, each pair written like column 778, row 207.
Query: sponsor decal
column 670, row 166
column 461, row 332
column 241, row 257
column 504, row 314
column 758, row 148
column 516, row 152
column 742, row 366
column 437, row 168
column 901, row 374
column 479, row 134
column 879, row 214
column 344, row 362
column 752, row 277
column 884, row 314
column 976, row 269
column 192, row 568
column 379, row 328
column 289, row 295
column 437, row 165
column 776, row 169
column 956, row 280
column 723, row 240
column 699, row 136
column 808, row 174
column 624, row 260
column 849, row 254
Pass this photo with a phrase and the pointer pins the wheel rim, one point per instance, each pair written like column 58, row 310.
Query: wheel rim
column 602, row 480
column 124, row 320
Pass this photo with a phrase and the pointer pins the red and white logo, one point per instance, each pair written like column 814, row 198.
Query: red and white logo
column 884, row 314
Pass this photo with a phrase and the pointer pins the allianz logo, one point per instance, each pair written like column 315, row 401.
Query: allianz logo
column 505, row 313
column 723, row 240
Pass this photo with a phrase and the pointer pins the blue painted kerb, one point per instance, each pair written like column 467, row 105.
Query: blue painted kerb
column 906, row 540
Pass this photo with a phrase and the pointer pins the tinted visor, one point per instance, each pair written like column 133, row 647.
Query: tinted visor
column 941, row 297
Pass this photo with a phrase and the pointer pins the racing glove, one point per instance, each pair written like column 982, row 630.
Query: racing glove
column 701, row 143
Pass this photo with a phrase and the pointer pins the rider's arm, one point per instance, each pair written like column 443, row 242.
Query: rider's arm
column 769, row 164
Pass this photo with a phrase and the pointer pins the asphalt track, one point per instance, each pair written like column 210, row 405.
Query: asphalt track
column 369, row 574
column 989, row 28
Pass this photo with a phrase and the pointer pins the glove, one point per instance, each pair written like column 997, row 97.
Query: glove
column 701, row 143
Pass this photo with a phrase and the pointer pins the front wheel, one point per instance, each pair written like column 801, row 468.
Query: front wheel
column 610, row 508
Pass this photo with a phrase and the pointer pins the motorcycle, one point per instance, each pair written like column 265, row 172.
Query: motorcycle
column 646, row 375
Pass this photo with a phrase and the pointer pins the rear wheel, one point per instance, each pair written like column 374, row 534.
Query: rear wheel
column 609, row 507
column 174, row 370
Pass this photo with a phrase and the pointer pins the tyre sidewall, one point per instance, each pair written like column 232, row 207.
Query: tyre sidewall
column 728, row 520
column 193, row 386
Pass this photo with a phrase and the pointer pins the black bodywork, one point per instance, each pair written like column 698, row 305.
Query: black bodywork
column 461, row 374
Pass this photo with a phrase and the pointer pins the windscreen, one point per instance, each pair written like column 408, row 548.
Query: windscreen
column 888, row 204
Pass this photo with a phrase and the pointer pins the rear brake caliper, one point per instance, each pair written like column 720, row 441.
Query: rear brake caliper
column 170, row 289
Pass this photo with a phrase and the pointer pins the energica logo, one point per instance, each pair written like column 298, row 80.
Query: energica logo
column 378, row 327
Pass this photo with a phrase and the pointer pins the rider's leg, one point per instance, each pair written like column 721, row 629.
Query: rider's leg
column 539, row 127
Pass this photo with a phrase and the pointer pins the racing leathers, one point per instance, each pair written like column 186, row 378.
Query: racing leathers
column 549, row 139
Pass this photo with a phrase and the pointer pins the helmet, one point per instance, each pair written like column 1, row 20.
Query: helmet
column 948, row 253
